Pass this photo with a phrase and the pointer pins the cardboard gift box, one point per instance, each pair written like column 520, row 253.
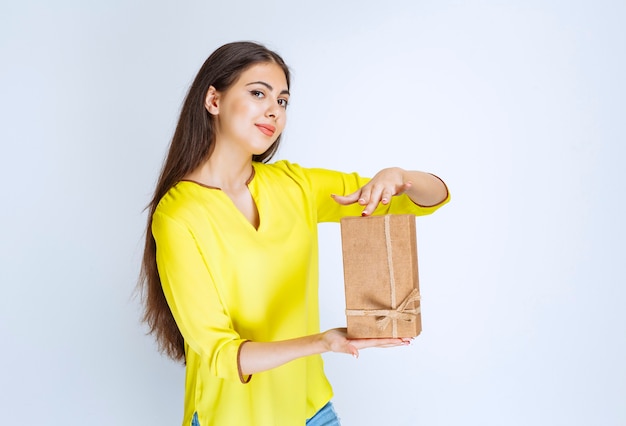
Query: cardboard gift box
column 381, row 276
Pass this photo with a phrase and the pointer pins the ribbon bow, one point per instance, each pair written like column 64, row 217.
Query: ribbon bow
column 401, row 313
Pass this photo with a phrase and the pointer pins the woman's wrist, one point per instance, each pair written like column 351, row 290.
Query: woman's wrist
column 320, row 344
column 426, row 189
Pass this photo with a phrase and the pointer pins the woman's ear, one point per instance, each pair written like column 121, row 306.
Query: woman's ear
column 211, row 101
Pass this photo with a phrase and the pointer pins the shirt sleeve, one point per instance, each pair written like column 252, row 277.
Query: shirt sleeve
column 194, row 299
column 324, row 182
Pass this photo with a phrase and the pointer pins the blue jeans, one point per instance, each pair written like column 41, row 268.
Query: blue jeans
column 324, row 417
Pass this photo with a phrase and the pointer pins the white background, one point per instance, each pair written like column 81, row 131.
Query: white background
column 518, row 105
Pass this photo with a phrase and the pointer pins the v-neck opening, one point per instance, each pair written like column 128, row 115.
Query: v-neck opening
column 253, row 197
column 247, row 182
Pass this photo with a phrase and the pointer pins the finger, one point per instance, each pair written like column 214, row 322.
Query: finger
column 353, row 351
column 394, row 345
column 374, row 198
column 382, row 196
column 386, row 196
column 370, row 343
column 345, row 200
column 404, row 187
column 348, row 348
column 366, row 194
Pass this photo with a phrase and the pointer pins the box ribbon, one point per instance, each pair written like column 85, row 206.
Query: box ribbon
column 396, row 313
column 401, row 313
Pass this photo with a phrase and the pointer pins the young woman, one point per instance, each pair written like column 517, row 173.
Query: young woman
column 230, row 268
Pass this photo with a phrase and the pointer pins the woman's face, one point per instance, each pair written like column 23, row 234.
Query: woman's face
column 251, row 114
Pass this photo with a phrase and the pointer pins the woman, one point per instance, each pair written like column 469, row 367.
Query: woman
column 230, row 268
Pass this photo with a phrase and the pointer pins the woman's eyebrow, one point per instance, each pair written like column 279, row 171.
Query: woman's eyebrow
column 284, row 92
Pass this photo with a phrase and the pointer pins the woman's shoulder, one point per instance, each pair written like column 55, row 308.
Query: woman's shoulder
column 281, row 169
column 278, row 166
column 183, row 197
column 293, row 170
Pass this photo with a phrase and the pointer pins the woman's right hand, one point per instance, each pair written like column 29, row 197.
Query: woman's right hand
column 336, row 340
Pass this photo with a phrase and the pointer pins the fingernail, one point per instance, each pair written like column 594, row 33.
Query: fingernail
column 361, row 200
column 364, row 213
column 384, row 200
column 356, row 356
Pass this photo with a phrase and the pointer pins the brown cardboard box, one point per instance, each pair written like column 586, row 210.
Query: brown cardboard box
column 381, row 276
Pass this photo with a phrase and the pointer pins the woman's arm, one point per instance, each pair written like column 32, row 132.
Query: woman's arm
column 255, row 357
column 424, row 189
column 196, row 307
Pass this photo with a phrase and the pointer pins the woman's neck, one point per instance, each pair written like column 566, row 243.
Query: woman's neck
column 228, row 173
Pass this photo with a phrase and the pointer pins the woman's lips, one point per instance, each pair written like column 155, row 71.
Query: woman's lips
column 267, row 129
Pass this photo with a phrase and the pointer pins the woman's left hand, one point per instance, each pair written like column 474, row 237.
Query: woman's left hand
column 384, row 185
column 336, row 340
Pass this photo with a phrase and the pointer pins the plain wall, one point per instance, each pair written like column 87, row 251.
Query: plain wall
column 518, row 105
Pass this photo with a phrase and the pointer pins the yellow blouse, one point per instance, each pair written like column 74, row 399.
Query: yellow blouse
column 227, row 282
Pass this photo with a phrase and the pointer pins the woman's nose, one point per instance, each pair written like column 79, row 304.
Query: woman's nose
column 272, row 110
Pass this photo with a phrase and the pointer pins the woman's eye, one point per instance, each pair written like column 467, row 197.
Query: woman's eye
column 257, row 94
column 283, row 103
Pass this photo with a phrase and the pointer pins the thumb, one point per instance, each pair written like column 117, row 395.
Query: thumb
column 352, row 350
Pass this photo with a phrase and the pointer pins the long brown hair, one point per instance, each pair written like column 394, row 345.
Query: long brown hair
column 192, row 144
